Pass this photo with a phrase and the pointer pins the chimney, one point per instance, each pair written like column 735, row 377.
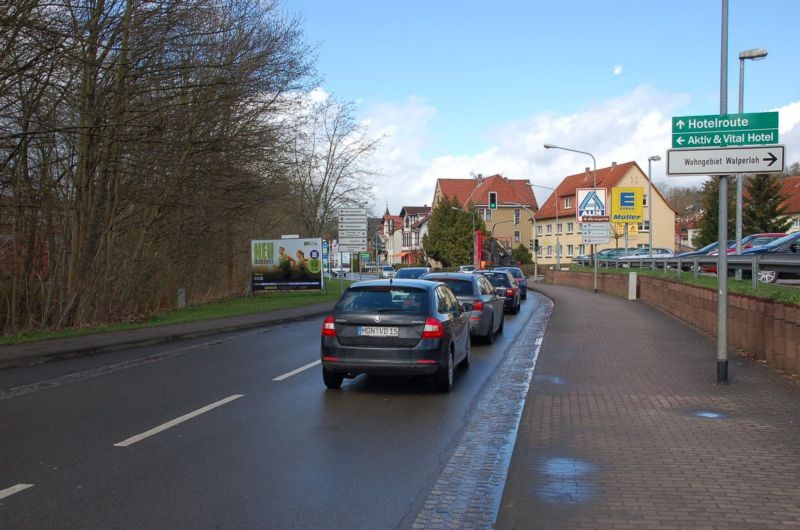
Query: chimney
column 586, row 174
column 613, row 164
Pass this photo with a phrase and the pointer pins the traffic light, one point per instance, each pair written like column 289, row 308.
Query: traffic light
column 492, row 200
column 536, row 245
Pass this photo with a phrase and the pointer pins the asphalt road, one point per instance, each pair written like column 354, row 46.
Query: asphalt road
column 248, row 436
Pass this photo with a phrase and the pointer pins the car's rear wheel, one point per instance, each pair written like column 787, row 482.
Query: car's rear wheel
column 332, row 379
column 516, row 307
column 444, row 377
column 502, row 324
column 767, row 276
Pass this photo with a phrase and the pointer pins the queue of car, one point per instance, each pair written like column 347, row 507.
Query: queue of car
column 415, row 322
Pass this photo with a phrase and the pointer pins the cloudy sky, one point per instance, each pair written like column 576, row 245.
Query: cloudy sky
column 466, row 87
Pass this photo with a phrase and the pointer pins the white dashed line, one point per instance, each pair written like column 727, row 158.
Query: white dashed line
column 295, row 372
column 8, row 492
column 139, row 437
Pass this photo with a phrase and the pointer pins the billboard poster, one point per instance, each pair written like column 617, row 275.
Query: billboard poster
column 627, row 205
column 286, row 264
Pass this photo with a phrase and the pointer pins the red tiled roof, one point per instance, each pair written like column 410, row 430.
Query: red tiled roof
column 415, row 210
column 790, row 189
column 607, row 177
column 477, row 191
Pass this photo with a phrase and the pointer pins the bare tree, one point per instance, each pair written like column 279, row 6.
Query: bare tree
column 328, row 165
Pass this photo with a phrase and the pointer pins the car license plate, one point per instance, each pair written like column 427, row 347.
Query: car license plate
column 378, row 331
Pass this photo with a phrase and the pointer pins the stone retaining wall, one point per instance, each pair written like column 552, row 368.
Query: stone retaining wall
column 763, row 329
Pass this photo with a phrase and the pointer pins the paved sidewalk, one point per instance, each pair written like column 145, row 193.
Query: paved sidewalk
column 625, row 427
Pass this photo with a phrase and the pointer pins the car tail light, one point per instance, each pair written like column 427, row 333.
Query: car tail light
column 477, row 305
column 328, row 327
column 509, row 292
column 433, row 329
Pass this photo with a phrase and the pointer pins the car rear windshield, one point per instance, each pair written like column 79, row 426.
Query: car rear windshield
column 459, row 287
column 499, row 280
column 384, row 299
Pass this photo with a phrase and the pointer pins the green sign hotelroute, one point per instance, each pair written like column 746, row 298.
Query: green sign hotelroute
column 722, row 130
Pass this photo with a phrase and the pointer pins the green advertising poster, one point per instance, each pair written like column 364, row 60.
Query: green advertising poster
column 286, row 264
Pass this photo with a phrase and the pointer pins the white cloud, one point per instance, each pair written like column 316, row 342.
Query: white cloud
column 618, row 69
column 628, row 128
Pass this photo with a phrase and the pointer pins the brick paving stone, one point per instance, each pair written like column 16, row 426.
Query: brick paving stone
column 624, row 426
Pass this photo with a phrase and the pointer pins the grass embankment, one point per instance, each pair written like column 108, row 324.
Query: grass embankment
column 225, row 308
column 780, row 293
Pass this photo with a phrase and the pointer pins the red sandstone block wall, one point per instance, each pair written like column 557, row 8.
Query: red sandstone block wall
column 764, row 329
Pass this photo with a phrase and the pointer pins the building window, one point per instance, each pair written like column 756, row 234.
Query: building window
column 549, row 250
column 416, row 239
column 644, row 199
column 644, row 226
column 516, row 216
column 570, row 250
column 570, row 227
column 581, row 250
column 516, row 236
column 558, row 228
column 539, row 252
column 539, row 229
column 487, row 214
column 549, row 229
column 406, row 239
column 567, row 202
column 796, row 223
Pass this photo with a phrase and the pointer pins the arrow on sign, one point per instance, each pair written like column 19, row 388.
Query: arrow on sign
column 680, row 124
column 680, row 140
column 772, row 159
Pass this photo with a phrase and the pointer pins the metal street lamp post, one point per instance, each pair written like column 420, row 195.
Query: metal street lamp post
column 473, row 232
column 558, row 232
column 594, row 191
column 754, row 55
column 650, row 160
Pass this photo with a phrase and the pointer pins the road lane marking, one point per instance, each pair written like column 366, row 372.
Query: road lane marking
column 163, row 427
column 8, row 492
column 295, row 372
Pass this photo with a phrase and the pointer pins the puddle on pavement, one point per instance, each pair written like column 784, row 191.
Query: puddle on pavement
column 565, row 481
column 710, row 415
column 552, row 379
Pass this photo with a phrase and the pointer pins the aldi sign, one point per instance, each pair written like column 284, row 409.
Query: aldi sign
column 591, row 203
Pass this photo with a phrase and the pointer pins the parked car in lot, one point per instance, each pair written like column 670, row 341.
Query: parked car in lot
column 411, row 272
column 395, row 327
column 753, row 240
column 788, row 244
column 519, row 277
column 606, row 254
column 505, row 286
column 487, row 317
column 687, row 257
column 340, row 271
column 386, row 271
column 466, row 268
column 646, row 252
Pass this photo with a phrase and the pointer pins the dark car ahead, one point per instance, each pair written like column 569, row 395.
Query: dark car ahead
column 519, row 277
column 395, row 327
column 788, row 244
column 411, row 272
column 476, row 293
column 505, row 286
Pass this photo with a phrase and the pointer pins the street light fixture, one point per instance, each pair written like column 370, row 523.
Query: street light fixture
column 473, row 232
column 650, row 160
column 755, row 54
column 594, row 191
column 558, row 233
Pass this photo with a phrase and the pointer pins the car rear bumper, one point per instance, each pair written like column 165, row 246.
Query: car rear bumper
column 425, row 359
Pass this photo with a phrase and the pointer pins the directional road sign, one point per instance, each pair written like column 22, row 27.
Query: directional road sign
column 594, row 233
column 353, row 211
column 720, row 130
column 726, row 160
